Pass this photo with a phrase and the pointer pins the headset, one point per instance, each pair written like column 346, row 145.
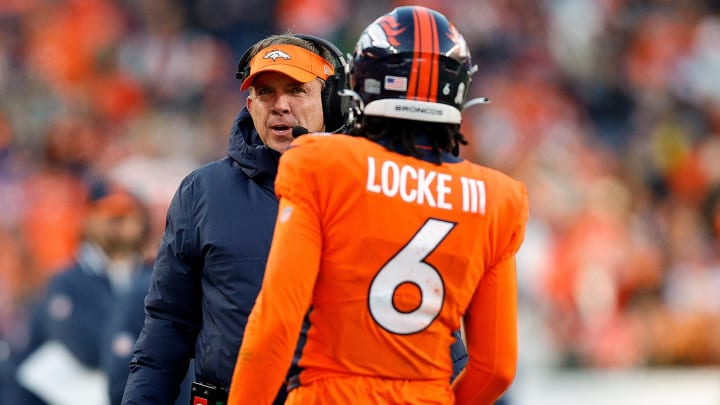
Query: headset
column 336, row 106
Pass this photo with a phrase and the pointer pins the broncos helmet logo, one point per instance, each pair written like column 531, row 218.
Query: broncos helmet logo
column 391, row 28
column 460, row 48
column 275, row 53
column 382, row 34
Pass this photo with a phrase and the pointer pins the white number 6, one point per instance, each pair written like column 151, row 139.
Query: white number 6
column 409, row 266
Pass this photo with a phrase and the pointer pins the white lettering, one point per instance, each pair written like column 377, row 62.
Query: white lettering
column 371, row 185
column 465, row 191
column 411, row 184
column 424, row 181
column 483, row 197
column 390, row 184
column 473, row 195
column 443, row 190
column 406, row 193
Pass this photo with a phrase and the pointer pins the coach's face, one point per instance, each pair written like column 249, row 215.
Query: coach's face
column 278, row 102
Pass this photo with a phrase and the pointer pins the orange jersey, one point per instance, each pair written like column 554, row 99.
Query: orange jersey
column 389, row 252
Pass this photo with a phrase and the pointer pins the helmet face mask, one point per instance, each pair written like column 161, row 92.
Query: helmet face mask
column 413, row 54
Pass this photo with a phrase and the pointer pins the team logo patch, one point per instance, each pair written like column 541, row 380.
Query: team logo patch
column 285, row 214
column 276, row 53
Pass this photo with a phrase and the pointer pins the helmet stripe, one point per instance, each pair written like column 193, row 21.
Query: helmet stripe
column 414, row 68
column 424, row 72
column 423, row 19
column 435, row 59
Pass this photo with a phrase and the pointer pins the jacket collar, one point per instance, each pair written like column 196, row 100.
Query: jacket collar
column 255, row 159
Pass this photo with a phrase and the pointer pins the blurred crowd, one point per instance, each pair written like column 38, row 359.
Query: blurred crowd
column 609, row 111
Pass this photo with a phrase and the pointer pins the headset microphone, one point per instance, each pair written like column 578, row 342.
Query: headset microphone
column 298, row 130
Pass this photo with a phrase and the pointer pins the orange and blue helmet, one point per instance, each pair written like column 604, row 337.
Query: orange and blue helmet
column 412, row 63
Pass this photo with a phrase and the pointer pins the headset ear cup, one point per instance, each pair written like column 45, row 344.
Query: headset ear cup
column 329, row 103
column 335, row 108
column 342, row 104
column 243, row 70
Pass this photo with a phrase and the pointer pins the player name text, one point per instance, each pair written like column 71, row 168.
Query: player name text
column 425, row 187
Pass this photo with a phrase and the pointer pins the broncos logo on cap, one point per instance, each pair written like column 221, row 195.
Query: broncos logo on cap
column 275, row 53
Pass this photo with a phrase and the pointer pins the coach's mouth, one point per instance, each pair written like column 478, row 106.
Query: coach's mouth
column 281, row 130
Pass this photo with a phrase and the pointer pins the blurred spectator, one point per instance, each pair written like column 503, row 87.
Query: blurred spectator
column 53, row 186
column 313, row 17
column 173, row 63
column 239, row 24
column 123, row 328
column 68, row 323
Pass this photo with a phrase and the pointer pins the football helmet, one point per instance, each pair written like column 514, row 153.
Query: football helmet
column 413, row 64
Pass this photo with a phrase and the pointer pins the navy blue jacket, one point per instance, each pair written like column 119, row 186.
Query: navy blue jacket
column 124, row 324
column 208, row 271
column 74, row 310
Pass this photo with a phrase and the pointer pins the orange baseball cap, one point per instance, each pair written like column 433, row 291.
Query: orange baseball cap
column 116, row 204
column 294, row 61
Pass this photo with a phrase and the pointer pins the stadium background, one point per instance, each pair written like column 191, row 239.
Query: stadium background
column 609, row 111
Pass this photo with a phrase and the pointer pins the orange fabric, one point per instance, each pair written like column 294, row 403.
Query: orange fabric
column 65, row 39
column 372, row 390
column 51, row 226
column 389, row 272
column 294, row 61
column 314, row 17
column 116, row 204
column 13, row 271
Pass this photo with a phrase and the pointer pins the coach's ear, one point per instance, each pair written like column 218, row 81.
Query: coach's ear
column 248, row 101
